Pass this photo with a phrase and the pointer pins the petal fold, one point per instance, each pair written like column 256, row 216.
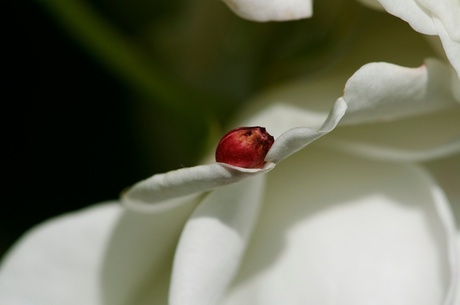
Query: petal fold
column 431, row 17
column 384, row 91
column 413, row 111
column 213, row 241
column 421, row 138
column 295, row 139
column 138, row 257
column 154, row 194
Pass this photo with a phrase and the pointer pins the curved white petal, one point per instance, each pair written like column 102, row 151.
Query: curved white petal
column 155, row 193
column 138, row 257
column 420, row 138
column 295, row 139
column 432, row 17
column 420, row 14
column 306, row 101
column 413, row 13
column 59, row 261
column 413, row 111
column 213, row 241
column 383, row 91
column 447, row 173
column 451, row 47
column 271, row 10
column 447, row 12
column 345, row 231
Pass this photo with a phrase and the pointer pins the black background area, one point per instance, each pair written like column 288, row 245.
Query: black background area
column 67, row 138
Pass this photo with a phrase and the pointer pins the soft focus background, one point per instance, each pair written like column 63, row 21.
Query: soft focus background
column 100, row 94
column 67, row 127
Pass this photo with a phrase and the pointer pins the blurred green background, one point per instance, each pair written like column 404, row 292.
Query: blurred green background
column 100, row 94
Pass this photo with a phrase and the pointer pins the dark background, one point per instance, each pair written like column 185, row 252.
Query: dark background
column 68, row 140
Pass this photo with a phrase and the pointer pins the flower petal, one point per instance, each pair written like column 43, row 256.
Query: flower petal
column 413, row 139
column 451, row 47
column 348, row 231
column 59, row 261
column 447, row 12
column 138, row 257
column 213, row 243
column 411, row 12
column 295, row 139
column 447, row 173
column 383, row 91
column 154, row 193
column 306, row 101
column 432, row 17
column 272, row 10
column 400, row 102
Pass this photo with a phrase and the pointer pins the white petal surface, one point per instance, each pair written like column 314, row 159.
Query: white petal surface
column 345, row 231
column 447, row 12
column 213, row 242
column 271, row 10
column 307, row 101
column 383, row 91
column 447, row 173
column 413, row 111
column 59, row 261
column 413, row 13
column 154, row 193
column 138, row 258
column 451, row 47
column 432, row 17
column 295, row 139
column 420, row 138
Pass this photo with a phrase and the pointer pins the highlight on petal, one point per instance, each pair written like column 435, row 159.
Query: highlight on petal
column 154, row 194
column 383, row 91
column 366, row 232
column 58, row 262
column 271, row 10
column 213, row 242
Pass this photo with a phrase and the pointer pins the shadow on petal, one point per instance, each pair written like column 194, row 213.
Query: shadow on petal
column 336, row 229
column 139, row 255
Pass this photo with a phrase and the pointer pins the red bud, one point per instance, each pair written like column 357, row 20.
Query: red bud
column 244, row 147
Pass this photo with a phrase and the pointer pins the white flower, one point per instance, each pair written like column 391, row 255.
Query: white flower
column 430, row 17
column 350, row 219
column 273, row 10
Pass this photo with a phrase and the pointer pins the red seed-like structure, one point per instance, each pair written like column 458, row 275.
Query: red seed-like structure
column 245, row 147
